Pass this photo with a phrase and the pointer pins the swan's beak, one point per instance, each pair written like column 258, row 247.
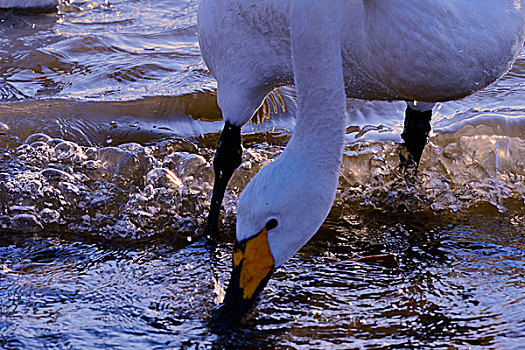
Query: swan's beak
column 253, row 265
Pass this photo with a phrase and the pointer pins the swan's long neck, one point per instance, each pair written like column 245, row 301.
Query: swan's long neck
column 318, row 69
column 299, row 188
column 308, row 169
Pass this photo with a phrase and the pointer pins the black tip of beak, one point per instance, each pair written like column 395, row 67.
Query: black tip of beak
column 228, row 315
column 236, row 307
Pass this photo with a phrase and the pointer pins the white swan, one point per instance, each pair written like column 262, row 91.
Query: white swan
column 392, row 50
column 4, row 4
column 370, row 49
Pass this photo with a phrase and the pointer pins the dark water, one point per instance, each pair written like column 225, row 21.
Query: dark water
column 457, row 286
column 107, row 126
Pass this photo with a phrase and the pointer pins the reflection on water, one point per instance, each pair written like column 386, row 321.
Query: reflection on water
column 88, row 50
column 107, row 130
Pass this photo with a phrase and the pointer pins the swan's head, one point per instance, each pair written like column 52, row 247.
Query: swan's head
column 278, row 212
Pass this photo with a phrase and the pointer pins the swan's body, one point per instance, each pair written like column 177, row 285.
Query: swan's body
column 410, row 50
column 27, row 3
column 427, row 51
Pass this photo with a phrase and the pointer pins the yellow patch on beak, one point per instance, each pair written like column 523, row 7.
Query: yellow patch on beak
column 255, row 260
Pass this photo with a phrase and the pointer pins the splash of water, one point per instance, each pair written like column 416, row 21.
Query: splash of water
column 135, row 191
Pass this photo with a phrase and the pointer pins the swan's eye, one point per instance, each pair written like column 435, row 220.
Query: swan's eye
column 270, row 225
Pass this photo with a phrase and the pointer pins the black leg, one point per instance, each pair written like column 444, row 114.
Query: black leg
column 415, row 135
column 227, row 158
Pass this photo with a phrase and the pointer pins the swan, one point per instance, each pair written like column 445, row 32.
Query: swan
column 4, row 4
column 425, row 51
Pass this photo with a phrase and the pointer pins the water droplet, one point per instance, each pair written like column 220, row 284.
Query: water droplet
column 4, row 128
column 49, row 216
column 162, row 177
column 56, row 175
column 37, row 137
column 26, row 223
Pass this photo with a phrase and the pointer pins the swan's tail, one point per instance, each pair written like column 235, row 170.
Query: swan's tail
column 279, row 102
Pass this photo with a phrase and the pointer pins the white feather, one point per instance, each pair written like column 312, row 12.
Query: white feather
column 427, row 51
